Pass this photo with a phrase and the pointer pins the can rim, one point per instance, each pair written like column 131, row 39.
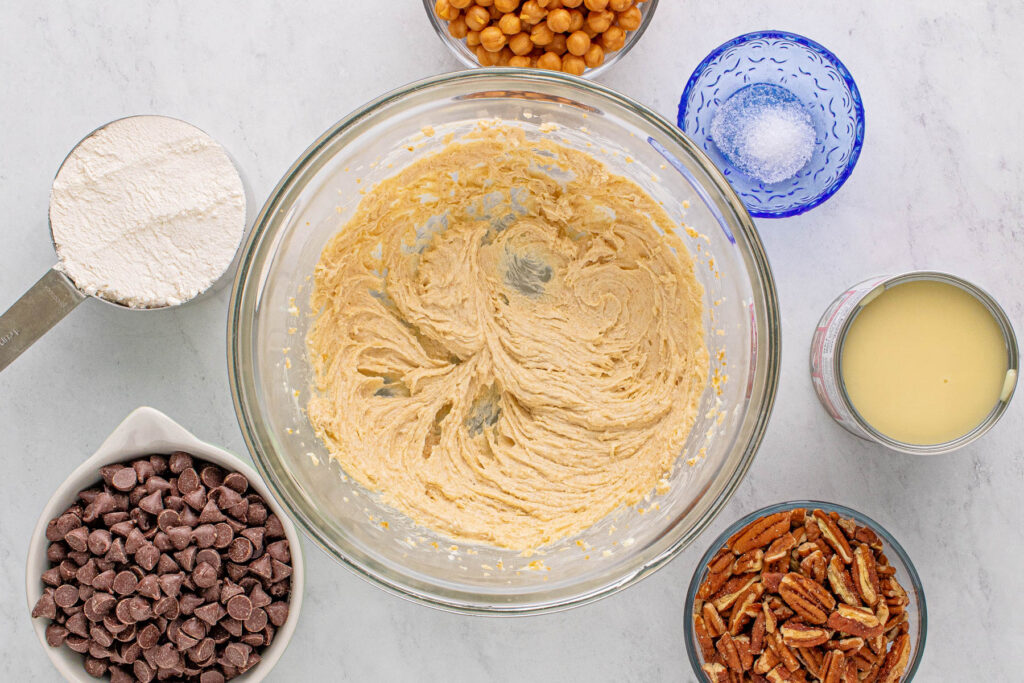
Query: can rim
column 1009, row 339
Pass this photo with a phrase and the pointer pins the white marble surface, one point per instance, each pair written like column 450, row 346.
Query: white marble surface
column 938, row 186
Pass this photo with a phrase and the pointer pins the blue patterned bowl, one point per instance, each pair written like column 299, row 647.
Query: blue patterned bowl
column 817, row 78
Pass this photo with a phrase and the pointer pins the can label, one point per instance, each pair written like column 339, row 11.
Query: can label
column 827, row 337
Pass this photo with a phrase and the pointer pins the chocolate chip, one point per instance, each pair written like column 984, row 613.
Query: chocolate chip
column 98, row 651
column 147, row 556
column 112, row 518
column 95, row 667
column 125, row 583
column 277, row 612
column 149, row 587
column 204, row 575
column 153, row 503
column 235, row 525
column 211, row 593
column 167, row 519
column 85, row 592
column 117, row 553
column 65, row 596
column 79, row 557
column 275, row 529
column 143, row 671
column 77, row 538
column 204, row 535
column 124, row 479
column 236, row 571
column 224, row 535
column 56, row 552
column 179, row 461
column 51, row 577
column 134, row 541
column 55, row 634
column 259, row 597
column 127, row 634
column 101, row 635
column 45, row 607
column 280, row 551
column 203, row 650
column 186, row 558
column 211, row 613
column 78, row 643
column 237, row 654
column 279, row 589
column 211, row 676
column 226, row 497
column 196, row 499
column 166, row 565
column 256, row 621
column 257, row 514
column 239, row 607
column 167, row 657
column 230, row 589
column 261, row 567
column 184, row 641
column 170, row 584
column 99, row 606
column 148, row 636
column 68, row 570
column 140, row 608
column 78, row 624
column 256, row 536
column 281, row 571
column 99, row 541
column 100, row 505
column 174, row 502
column 189, row 603
column 188, row 481
column 210, row 513
column 240, row 550
column 162, row 541
column 179, row 536
column 167, row 607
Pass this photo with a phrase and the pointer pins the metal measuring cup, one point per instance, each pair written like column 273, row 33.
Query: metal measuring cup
column 55, row 295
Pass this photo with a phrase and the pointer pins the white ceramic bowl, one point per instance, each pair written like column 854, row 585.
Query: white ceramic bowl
column 143, row 432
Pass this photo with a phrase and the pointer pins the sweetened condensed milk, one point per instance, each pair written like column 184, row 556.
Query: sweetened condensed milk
column 924, row 362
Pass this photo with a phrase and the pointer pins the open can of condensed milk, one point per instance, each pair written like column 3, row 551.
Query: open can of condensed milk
column 922, row 362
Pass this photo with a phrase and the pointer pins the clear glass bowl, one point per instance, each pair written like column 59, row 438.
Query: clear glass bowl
column 906, row 574
column 269, row 316
column 817, row 78
column 465, row 55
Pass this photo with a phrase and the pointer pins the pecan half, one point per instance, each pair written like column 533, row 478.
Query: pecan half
column 798, row 634
column 812, row 658
column 813, row 566
column 716, row 673
column 865, row 578
column 749, row 562
column 808, row 599
column 731, row 591
column 847, row 645
column 855, row 621
column 727, row 648
column 833, row 535
column 833, row 667
column 786, row 655
column 739, row 615
column 766, row 662
column 757, row 633
column 715, row 624
column 841, row 582
column 700, row 629
column 780, row 547
column 770, row 621
column 759, row 533
column 771, row 581
column 896, row 661
column 743, row 647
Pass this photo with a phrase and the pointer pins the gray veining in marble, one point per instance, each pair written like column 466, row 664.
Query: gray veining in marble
column 938, row 186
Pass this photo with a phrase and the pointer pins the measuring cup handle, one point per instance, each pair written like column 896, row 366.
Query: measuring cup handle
column 31, row 316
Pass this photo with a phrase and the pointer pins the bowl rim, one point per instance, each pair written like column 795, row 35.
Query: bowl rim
column 829, row 56
column 128, row 440
column 455, row 45
column 719, row 543
column 240, row 322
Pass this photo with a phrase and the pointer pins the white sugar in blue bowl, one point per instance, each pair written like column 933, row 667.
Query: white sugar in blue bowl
column 780, row 115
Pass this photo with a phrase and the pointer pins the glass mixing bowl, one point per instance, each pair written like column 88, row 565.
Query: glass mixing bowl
column 269, row 316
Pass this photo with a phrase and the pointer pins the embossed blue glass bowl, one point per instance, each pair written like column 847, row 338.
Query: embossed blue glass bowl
column 817, row 78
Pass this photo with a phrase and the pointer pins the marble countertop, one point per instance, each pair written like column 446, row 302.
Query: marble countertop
column 939, row 186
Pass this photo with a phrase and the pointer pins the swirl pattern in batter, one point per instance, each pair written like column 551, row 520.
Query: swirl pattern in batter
column 508, row 342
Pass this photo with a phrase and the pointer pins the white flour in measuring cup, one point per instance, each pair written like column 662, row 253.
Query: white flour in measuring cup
column 147, row 212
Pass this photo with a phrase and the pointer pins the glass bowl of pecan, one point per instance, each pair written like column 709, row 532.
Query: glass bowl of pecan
column 805, row 591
